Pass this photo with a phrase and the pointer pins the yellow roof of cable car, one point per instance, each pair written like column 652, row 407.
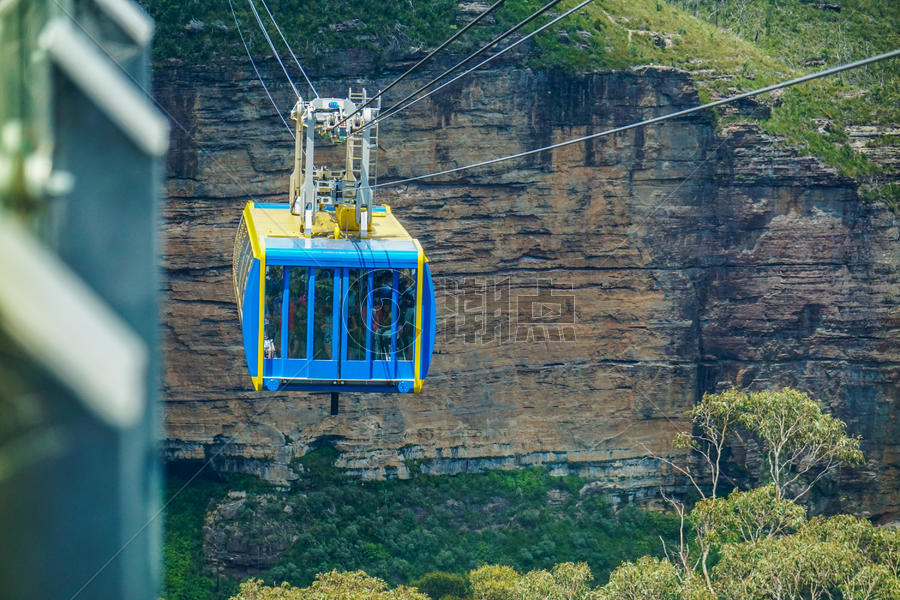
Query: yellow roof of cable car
column 277, row 221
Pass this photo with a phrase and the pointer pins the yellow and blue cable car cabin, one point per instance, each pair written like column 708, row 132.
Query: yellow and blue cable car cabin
column 332, row 292
column 325, row 314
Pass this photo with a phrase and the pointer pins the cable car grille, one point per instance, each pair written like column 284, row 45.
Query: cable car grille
column 240, row 265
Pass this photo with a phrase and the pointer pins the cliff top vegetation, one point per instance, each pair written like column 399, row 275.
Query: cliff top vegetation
column 727, row 45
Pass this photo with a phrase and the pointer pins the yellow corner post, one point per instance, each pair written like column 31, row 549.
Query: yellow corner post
column 417, row 367
column 259, row 252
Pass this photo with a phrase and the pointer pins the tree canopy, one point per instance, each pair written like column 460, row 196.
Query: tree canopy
column 753, row 544
column 800, row 443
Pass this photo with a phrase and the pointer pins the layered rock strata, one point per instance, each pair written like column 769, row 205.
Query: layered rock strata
column 587, row 296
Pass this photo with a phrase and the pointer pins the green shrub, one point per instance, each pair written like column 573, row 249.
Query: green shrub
column 438, row 585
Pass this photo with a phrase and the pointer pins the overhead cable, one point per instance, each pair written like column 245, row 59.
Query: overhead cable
column 426, row 59
column 680, row 113
column 484, row 62
column 478, row 52
column 247, row 48
column 291, row 50
column 272, row 46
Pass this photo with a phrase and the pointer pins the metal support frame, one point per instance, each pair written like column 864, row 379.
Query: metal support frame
column 364, row 194
column 311, row 188
column 308, row 190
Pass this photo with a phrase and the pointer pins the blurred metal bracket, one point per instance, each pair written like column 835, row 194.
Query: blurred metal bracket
column 131, row 18
column 123, row 102
column 65, row 326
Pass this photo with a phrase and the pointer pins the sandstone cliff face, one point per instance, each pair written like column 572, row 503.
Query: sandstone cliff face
column 669, row 261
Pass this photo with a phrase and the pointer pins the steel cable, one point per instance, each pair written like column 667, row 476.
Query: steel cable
column 392, row 110
column 485, row 61
column 680, row 113
column 247, row 48
column 468, row 25
column 291, row 50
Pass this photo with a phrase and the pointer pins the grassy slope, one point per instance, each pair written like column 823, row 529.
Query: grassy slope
column 399, row 530
column 734, row 45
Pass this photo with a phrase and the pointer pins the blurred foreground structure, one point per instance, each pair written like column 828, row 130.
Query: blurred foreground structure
column 80, row 150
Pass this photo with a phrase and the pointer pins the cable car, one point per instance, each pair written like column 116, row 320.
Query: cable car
column 333, row 294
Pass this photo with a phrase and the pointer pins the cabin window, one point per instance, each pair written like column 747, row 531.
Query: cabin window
column 357, row 294
column 297, row 311
column 324, row 314
column 382, row 313
column 273, row 311
column 406, row 325
column 377, row 313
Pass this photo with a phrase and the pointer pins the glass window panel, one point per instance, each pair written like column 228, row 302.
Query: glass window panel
column 357, row 291
column 406, row 325
column 297, row 312
column 324, row 315
column 274, row 297
column 382, row 299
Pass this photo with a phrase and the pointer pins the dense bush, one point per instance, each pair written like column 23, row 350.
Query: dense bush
column 400, row 530
column 329, row 586
column 185, row 577
column 439, row 585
